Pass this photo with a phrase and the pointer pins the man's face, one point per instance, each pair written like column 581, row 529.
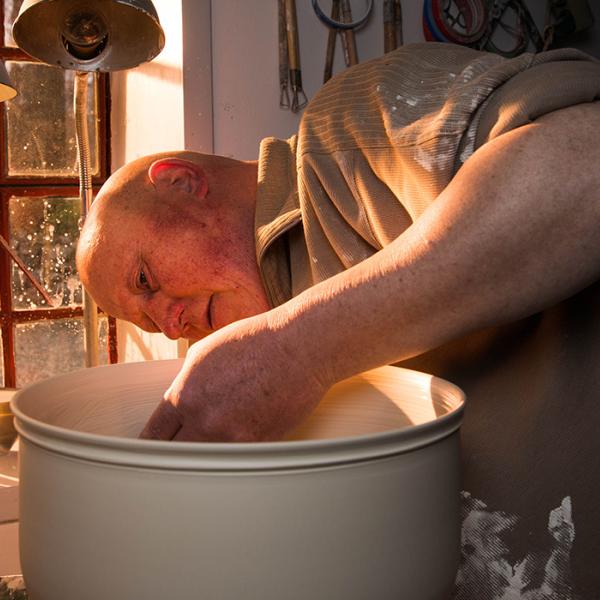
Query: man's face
column 180, row 271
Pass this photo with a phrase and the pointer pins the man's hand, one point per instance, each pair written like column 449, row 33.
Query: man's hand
column 243, row 383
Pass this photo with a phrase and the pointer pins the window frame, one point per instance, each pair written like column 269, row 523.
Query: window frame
column 15, row 185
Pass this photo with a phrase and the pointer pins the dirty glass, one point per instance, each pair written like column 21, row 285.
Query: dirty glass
column 47, row 348
column 40, row 138
column 43, row 231
column 11, row 10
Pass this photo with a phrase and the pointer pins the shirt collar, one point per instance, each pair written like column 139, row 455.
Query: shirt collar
column 277, row 211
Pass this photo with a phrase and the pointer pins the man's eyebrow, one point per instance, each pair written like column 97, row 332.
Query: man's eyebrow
column 130, row 274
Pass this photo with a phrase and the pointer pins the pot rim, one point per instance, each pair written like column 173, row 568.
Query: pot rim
column 238, row 456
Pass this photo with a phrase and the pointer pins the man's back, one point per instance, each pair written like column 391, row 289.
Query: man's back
column 376, row 147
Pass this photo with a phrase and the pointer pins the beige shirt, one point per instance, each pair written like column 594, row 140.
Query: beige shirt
column 375, row 147
column 380, row 141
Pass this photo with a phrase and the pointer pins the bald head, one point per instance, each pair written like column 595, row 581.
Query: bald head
column 136, row 186
column 165, row 223
column 128, row 194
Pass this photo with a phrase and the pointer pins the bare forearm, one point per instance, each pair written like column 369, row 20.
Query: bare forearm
column 515, row 232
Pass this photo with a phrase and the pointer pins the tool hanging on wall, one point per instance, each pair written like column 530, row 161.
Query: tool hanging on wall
column 292, row 53
column 564, row 18
column 341, row 22
column 348, row 38
column 331, row 37
column 454, row 21
column 514, row 21
column 505, row 27
column 284, row 81
column 392, row 25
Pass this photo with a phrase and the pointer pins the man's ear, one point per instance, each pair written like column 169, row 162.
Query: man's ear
column 176, row 174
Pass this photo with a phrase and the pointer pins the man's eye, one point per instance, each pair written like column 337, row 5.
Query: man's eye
column 143, row 280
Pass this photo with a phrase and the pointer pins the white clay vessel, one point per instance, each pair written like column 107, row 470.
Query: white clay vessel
column 360, row 503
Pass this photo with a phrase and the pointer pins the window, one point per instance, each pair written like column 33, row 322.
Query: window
column 39, row 214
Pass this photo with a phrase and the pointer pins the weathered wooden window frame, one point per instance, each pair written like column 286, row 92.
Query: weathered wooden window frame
column 42, row 186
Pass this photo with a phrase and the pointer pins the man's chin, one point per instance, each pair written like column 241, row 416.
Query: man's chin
column 195, row 336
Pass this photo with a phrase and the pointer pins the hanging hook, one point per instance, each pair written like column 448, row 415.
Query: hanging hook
column 284, row 94
column 340, row 24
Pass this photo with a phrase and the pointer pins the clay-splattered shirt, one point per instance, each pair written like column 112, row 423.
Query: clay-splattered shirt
column 376, row 146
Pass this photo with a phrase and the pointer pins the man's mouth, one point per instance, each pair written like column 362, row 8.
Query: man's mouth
column 209, row 315
column 193, row 330
column 182, row 321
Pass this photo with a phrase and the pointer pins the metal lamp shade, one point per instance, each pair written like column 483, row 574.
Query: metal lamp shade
column 89, row 35
column 7, row 91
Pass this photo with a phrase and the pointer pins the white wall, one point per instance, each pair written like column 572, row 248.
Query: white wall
column 245, row 65
column 197, row 75
column 147, row 111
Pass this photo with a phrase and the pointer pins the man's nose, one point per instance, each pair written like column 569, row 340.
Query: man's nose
column 166, row 314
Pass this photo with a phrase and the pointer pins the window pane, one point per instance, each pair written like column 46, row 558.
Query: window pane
column 11, row 10
column 41, row 132
column 44, row 233
column 47, row 348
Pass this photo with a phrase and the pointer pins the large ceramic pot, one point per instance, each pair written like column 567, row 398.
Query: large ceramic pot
column 360, row 503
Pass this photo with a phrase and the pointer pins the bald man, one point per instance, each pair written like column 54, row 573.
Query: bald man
column 439, row 206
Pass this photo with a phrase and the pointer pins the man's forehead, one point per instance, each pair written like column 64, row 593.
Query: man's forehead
column 111, row 208
column 107, row 269
column 117, row 301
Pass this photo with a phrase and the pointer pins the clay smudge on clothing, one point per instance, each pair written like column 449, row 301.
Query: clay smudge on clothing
column 487, row 572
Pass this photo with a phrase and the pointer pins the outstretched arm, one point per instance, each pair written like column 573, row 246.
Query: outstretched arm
column 515, row 232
